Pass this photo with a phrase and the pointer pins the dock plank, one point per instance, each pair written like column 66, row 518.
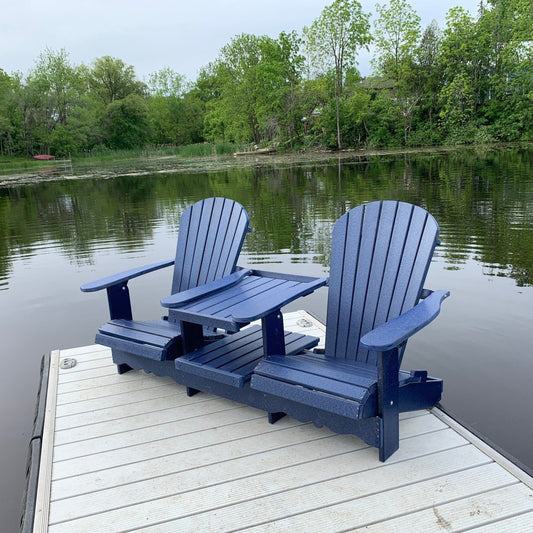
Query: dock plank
column 175, row 399
column 222, row 414
column 369, row 509
column 511, row 524
column 116, row 400
column 143, row 454
column 128, row 427
column 116, row 386
column 484, row 508
column 288, row 448
column 281, row 496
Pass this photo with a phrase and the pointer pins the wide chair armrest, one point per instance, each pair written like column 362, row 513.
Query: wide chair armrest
column 267, row 303
column 185, row 297
column 121, row 277
column 393, row 333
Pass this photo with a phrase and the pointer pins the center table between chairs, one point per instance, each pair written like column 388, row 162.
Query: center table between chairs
column 229, row 304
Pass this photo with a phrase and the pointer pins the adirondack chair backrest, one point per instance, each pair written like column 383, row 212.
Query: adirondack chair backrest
column 210, row 238
column 380, row 255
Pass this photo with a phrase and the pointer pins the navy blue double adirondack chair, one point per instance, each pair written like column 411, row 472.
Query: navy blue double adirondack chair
column 380, row 257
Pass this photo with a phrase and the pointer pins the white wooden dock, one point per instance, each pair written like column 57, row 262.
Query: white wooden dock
column 132, row 452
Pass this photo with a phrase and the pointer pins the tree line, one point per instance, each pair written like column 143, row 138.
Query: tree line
column 470, row 82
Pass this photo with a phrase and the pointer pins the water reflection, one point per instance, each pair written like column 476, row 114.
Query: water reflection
column 483, row 202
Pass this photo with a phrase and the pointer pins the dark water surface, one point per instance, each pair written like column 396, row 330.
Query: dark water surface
column 56, row 235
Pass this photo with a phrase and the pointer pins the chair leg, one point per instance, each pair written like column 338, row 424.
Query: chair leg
column 390, row 437
column 388, row 400
column 191, row 391
column 123, row 368
column 274, row 417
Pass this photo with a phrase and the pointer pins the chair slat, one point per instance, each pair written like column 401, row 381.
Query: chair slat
column 394, row 259
column 350, row 372
column 310, row 380
column 234, row 233
column 187, row 240
column 344, row 257
column 378, row 271
column 214, row 245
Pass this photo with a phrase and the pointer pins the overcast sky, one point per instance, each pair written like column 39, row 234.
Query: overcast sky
column 152, row 34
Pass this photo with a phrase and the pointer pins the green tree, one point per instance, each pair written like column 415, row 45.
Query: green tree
column 234, row 112
column 166, row 82
column 460, row 59
column 192, row 126
column 207, row 90
column 396, row 36
column 52, row 91
column 35, row 118
column 8, row 86
column 249, row 89
column 58, row 79
column 165, row 106
column 356, row 115
column 111, row 79
column 333, row 40
column 291, row 66
column 127, row 122
column 429, row 78
column 508, row 68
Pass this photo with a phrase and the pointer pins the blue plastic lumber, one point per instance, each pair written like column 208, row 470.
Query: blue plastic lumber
column 211, row 235
column 417, row 395
column 380, row 254
column 158, row 340
column 314, row 403
column 222, row 309
column 393, row 333
column 208, row 289
column 160, row 327
column 125, row 276
column 232, row 359
column 284, row 276
column 350, row 372
column 156, row 353
column 272, row 301
column 305, row 375
column 388, row 364
column 126, row 329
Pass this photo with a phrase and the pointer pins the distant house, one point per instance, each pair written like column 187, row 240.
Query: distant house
column 376, row 83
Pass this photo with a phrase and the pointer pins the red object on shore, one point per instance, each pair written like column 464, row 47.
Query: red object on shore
column 44, row 157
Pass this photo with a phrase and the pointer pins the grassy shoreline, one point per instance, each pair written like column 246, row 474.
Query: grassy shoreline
column 199, row 158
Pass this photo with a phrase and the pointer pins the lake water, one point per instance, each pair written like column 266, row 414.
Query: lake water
column 57, row 234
